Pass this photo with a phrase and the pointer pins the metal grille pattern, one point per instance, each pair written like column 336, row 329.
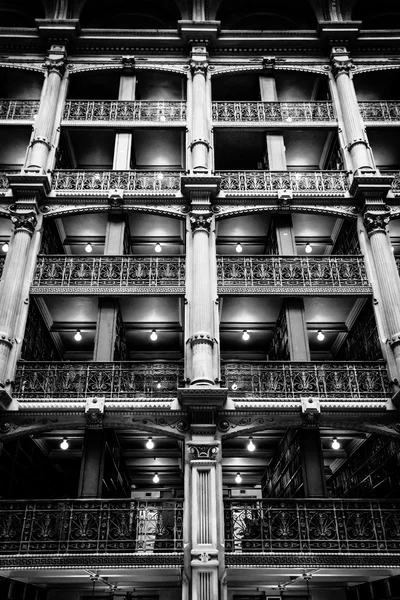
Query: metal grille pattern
column 18, row 110
column 395, row 182
column 2, row 261
column 109, row 380
column 130, row 181
column 272, row 111
column 335, row 182
column 292, row 380
column 380, row 111
column 284, row 271
column 120, row 271
column 61, row 526
column 312, row 525
column 4, row 185
column 121, row 110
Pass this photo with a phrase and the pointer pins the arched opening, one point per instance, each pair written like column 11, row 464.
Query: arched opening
column 382, row 15
column 154, row 14
column 20, row 13
column 266, row 15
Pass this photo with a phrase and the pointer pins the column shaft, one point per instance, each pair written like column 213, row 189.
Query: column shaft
column 92, row 465
column 312, row 463
column 357, row 143
column 275, row 141
column 200, row 141
column 44, row 128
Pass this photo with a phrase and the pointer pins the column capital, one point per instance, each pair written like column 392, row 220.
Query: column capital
column 24, row 221
column 203, row 451
column 341, row 61
column 376, row 221
column 199, row 67
column 56, row 60
column 201, row 222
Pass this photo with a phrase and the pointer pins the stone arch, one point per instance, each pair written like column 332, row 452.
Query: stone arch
column 261, row 15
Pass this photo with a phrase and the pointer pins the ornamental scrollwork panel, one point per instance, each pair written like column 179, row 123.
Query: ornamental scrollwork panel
column 332, row 182
column 118, row 110
column 90, row 526
column 291, row 380
column 331, row 526
column 116, row 271
column 244, row 112
column 109, row 380
column 18, row 110
column 285, row 271
column 106, row 181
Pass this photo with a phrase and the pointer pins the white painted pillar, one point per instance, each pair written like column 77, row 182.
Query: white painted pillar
column 200, row 134
column 354, row 130
column 44, row 127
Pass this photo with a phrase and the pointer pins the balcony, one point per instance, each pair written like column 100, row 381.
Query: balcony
column 90, row 527
column 23, row 111
column 311, row 527
column 302, row 184
column 101, row 183
column 380, row 112
column 74, row 382
column 121, row 112
column 266, row 113
column 294, row 275
column 109, row 275
column 338, row 384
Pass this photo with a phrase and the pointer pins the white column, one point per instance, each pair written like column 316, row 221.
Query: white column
column 44, row 128
column 200, row 135
column 275, row 141
column 354, row 130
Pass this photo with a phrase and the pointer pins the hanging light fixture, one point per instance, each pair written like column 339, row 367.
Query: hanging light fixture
column 308, row 248
column 150, row 443
column 88, row 248
column 157, row 247
column 239, row 247
column 238, row 478
column 5, row 247
column 245, row 335
column 234, row 387
column 320, row 336
column 160, row 176
column 64, row 444
column 335, row 444
column 78, row 335
column 250, row 446
column 156, row 478
column 153, row 335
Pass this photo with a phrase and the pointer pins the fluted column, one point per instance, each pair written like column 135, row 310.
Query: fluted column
column 375, row 222
column 354, row 130
column 44, row 127
column 202, row 371
column 12, row 282
column 204, row 489
column 200, row 135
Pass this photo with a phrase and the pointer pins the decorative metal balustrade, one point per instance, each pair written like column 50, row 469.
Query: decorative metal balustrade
column 117, row 380
column 283, row 112
column 395, row 182
column 345, row 272
column 56, row 273
column 2, row 261
column 144, row 182
column 90, row 526
column 121, row 110
column 333, row 526
column 294, row 380
column 18, row 110
column 380, row 111
column 235, row 183
column 4, row 184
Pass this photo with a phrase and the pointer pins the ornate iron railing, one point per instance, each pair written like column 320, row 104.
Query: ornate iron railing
column 245, row 112
column 105, row 181
column 117, row 271
column 283, row 271
column 2, row 261
column 120, row 110
column 4, row 184
column 395, row 182
column 18, row 110
column 334, row 526
column 43, row 380
column 95, row 526
column 380, row 111
column 294, row 380
column 300, row 182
